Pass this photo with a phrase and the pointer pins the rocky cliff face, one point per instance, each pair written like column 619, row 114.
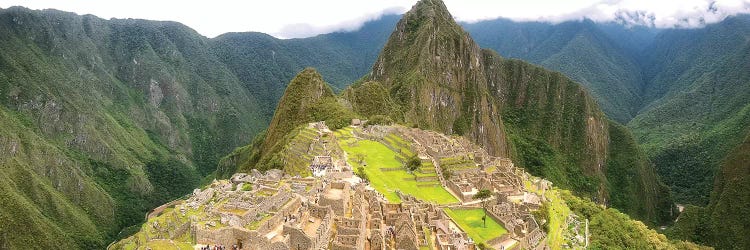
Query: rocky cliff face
column 441, row 80
column 434, row 71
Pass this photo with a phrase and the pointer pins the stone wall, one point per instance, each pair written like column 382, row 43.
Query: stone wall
column 457, row 190
column 344, row 230
column 225, row 236
column 406, row 242
column 324, row 231
column 340, row 205
column 376, row 240
column 271, row 203
column 318, row 211
column 346, row 242
column 258, row 241
column 278, row 218
column 345, row 222
column 340, row 246
column 340, row 175
column 200, row 197
column 297, row 238
column 181, row 230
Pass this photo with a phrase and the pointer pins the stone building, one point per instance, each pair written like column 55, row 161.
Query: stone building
column 336, row 195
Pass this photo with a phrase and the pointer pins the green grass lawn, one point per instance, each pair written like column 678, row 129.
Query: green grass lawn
column 470, row 221
column 378, row 156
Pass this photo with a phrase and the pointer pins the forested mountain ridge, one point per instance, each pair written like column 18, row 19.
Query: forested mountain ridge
column 692, row 99
column 265, row 64
column 437, row 78
column 106, row 119
column 580, row 49
column 701, row 91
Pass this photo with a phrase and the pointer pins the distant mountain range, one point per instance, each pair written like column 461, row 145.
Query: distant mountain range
column 684, row 94
column 105, row 119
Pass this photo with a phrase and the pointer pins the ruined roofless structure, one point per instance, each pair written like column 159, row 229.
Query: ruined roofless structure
column 331, row 210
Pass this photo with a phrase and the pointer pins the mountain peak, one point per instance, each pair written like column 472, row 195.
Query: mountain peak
column 431, row 8
column 302, row 93
column 433, row 70
column 425, row 39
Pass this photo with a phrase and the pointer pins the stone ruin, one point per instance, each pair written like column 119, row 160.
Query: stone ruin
column 328, row 212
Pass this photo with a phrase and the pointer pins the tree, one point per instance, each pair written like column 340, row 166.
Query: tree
column 361, row 173
column 413, row 163
column 483, row 195
column 447, row 173
column 481, row 245
column 379, row 120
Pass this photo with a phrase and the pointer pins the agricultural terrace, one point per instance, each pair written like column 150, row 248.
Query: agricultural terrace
column 470, row 221
column 169, row 214
column 384, row 168
column 557, row 213
column 300, row 150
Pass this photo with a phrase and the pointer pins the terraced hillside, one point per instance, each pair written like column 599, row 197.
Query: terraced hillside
column 432, row 75
column 337, row 209
column 382, row 161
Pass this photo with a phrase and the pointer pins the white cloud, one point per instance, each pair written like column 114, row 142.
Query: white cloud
column 307, row 29
column 302, row 18
column 658, row 13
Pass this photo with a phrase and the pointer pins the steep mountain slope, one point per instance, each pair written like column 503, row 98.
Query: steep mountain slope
column 104, row 119
column 700, row 84
column 550, row 118
column 433, row 71
column 265, row 64
column 47, row 201
column 682, row 91
column 306, row 99
column 600, row 57
column 724, row 222
column 730, row 201
column 558, row 132
column 439, row 79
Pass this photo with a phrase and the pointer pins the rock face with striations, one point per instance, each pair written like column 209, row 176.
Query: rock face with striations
column 438, row 78
column 434, row 71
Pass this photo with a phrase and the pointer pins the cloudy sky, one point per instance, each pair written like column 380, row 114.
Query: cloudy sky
column 303, row 18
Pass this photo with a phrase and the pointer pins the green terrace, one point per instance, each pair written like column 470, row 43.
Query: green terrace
column 458, row 162
column 299, row 152
column 470, row 221
column 383, row 164
column 168, row 216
